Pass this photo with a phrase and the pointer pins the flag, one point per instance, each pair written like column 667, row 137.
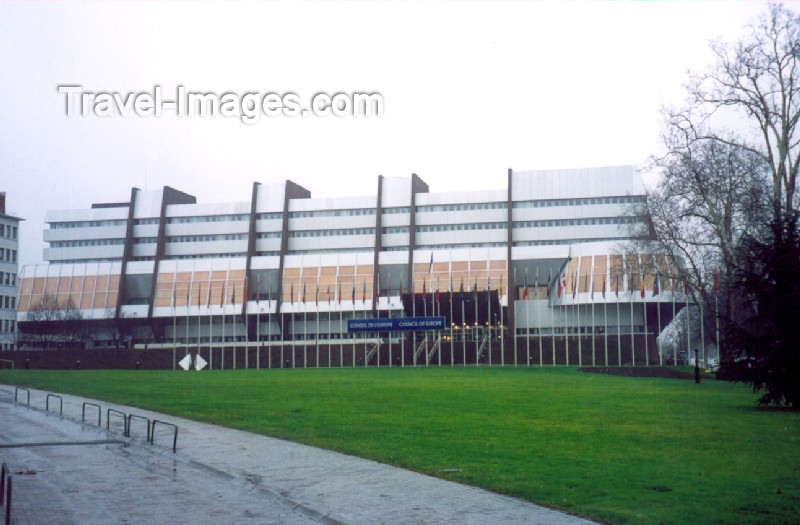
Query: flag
column 291, row 293
column 233, row 297
column 461, row 287
column 430, row 266
column 549, row 280
column 525, row 286
column 536, row 285
column 328, row 294
column 364, row 291
column 560, row 286
column 258, row 288
column 500, row 293
column 641, row 286
column 353, row 295
column 304, row 292
column 656, row 285
column 616, row 284
column 475, row 286
column 715, row 285
column 189, row 294
column 222, row 297
column 424, row 289
column 338, row 290
column 173, row 297
column 591, row 292
column 436, row 295
column 488, row 282
column 604, row 285
column 199, row 293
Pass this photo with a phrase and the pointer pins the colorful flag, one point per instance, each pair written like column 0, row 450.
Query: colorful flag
column 656, row 285
column 364, row 291
column 641, row 286
column 525, row 286
column 339, row 290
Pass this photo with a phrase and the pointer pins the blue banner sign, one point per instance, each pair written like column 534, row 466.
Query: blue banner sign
column 397, row 324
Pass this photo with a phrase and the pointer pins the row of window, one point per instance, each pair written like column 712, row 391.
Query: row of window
column 587, row 330
column 460, row 227
column 145, row 240
column 8, row 255
column 8, row 278
column 8, row 326
column 209, row 218
column 554, row 242
column 7, row 231
column 332, row 213
column 395, row 229
column 269, row 216
column 544, row 203
column 331, row 233
column 269, row 235
column 575, row 222
column 8, row 301
column 208, row 238
column 205, row 256
column 86, row 242
column 149, row 220
column 460, row 245
column 330, row 250
column 395, row 210
column 87, row 224
column 464, row 206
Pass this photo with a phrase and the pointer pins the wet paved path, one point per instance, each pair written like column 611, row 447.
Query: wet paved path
column 218, row 475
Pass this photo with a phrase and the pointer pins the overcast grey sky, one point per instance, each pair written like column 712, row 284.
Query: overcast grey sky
column 470, row 89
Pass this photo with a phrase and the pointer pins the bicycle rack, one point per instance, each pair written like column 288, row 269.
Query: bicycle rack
column 124, row 420
column 16, row 391
column 99, row 412
column 174, row 437
column 60, row 404
column 128, row 425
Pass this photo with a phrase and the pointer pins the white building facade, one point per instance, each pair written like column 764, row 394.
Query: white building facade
column 9, row 249
column 535, row 273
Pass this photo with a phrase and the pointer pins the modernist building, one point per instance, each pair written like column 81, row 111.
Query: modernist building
column 9, row 248
column 535, row 272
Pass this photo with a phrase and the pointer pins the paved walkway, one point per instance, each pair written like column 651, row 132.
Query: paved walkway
column 218, row 475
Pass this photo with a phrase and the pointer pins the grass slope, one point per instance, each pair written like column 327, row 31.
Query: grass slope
column 619, row 450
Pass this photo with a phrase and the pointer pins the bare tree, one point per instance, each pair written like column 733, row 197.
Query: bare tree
column 758, row 78
column 50, row 321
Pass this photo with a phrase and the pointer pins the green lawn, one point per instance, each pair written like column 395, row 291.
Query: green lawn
column 619, row 450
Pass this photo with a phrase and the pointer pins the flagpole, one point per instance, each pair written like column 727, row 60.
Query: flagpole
column 210, row 323
column 514, row 335
column 719, row 350
column 619, row 317
column 258, row 322
column 552, row 320
column 657, row 283
column 605, row 313
column 489, row 310
column 439, row 312
column 502, row 323
column 594, row 323
column 477, row 337
column 463, row 327
column 233, row 303
column 451, row 310
column 580, row 324
column 644, row 314
column 527, row 320
column 188, row 307
column 316, row 335
column 539, row 318
column 353, row 297
column 199, row 294
column 702, row 325
column 174, row 323
column 269, row 323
